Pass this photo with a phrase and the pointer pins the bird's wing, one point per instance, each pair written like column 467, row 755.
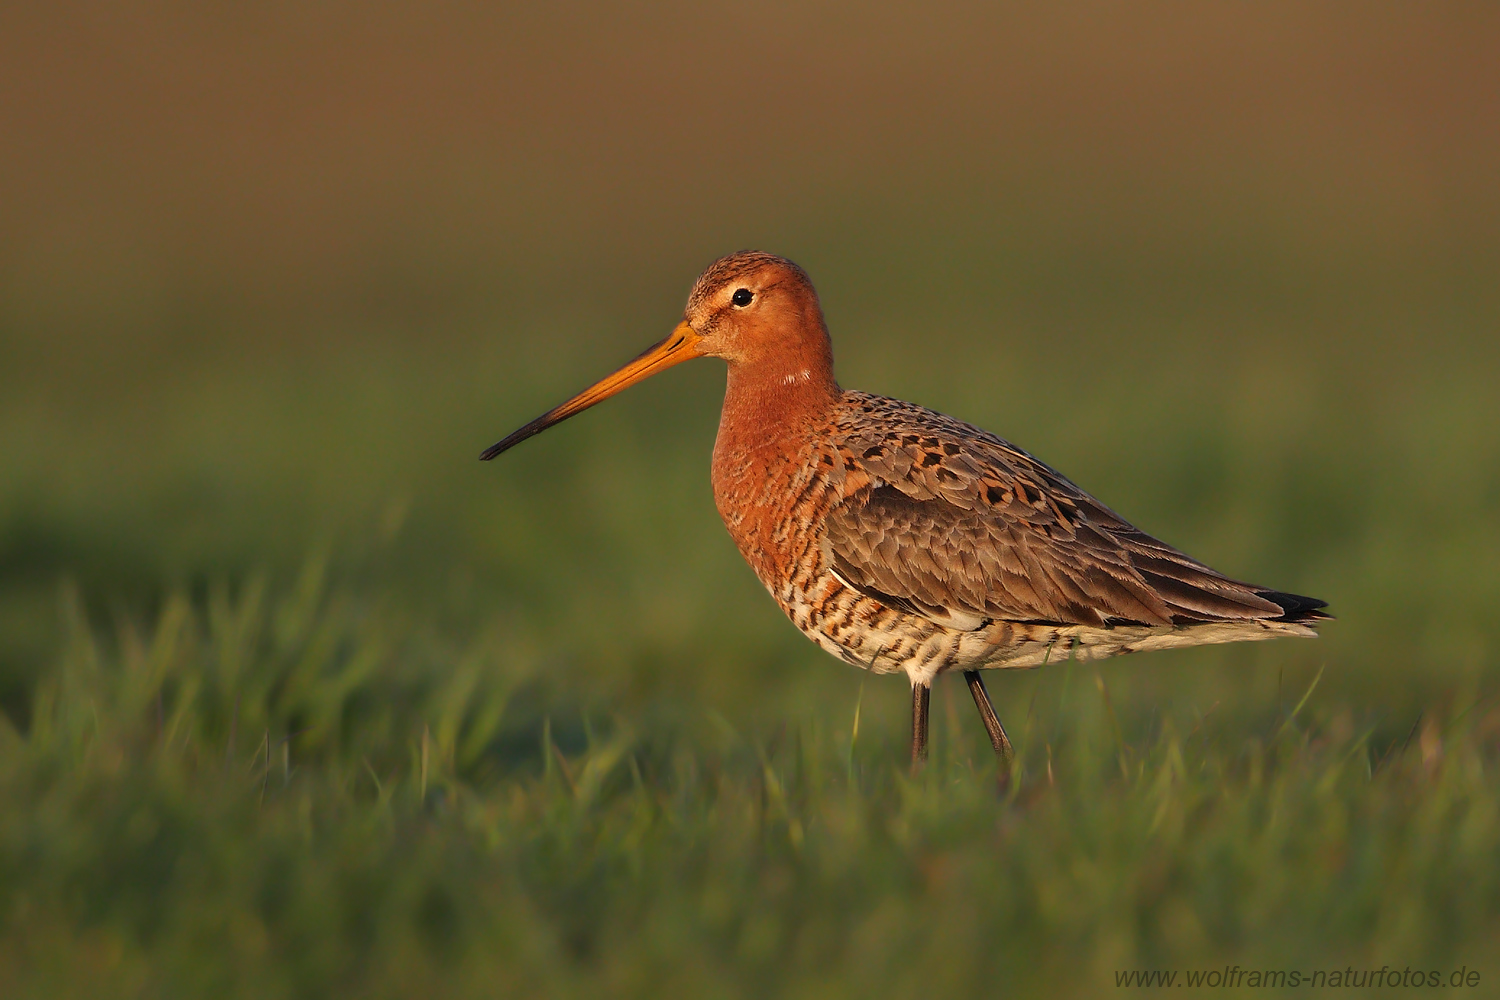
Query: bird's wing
column 957, row 524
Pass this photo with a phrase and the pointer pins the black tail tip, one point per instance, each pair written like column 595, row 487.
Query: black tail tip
column 1296, row 608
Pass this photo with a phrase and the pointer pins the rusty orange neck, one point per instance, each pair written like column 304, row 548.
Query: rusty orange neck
column 774, row 398
column 775, row 411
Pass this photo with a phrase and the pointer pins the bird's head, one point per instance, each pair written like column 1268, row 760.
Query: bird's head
column 753, row 307
column 754, row 310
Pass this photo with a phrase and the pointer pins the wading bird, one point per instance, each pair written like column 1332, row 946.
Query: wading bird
column 899, row 539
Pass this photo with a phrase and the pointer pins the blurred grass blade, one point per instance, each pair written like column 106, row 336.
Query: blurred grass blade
column 1301, row 702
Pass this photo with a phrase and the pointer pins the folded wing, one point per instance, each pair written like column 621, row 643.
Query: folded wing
column 962, row 527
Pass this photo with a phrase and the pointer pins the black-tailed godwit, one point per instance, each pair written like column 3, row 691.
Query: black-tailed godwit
column 899, row 539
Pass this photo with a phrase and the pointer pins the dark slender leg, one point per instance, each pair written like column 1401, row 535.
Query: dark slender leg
column 921, row 696
column 998, row 739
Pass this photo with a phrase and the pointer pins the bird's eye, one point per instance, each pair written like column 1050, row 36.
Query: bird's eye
column 742, row 297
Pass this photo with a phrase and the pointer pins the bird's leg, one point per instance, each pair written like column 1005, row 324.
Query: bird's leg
column 998, row 739
column 921, row 696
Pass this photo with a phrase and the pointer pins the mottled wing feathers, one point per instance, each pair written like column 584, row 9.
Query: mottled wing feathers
column 962, row 527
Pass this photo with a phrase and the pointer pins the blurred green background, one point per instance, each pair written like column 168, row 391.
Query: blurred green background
column 271, row 278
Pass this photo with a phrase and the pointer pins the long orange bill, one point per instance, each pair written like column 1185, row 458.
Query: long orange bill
column 680, row 345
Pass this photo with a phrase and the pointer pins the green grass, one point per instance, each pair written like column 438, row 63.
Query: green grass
column 277, row 793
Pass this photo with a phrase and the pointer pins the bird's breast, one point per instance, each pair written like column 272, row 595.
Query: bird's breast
column 773, row 496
